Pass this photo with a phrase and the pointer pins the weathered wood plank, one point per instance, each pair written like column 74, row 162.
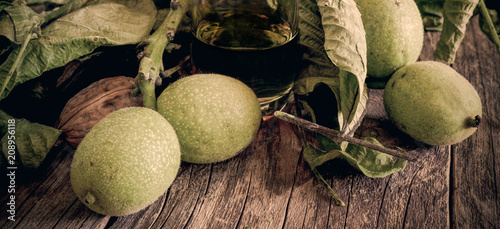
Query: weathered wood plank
column 79, row 216
column 272, row 176
column 32, row 193
column 225, row 196
column 475, row 162
column 269, row 185
column 45, row 201
column 188, row 190
column 415, row 197
column 419, row 195
column 428, row 200
column 309, row 202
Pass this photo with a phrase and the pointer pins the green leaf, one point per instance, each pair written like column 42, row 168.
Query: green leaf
column 334, row 37
column 370, row 162
column 312, row 38
column 320, row 100
column 67, row 8
column 318, row 85
column 4, row 4
column 490, row 23
column 116, row 22
column 315, row 157
column 41, row 2
column 32, row 141
column 359, row 99
column 307, row 85
column 457, row 14
column 345, row 45
column 333, row 83
column 80, row 33
column 494, row 19
column 432, row 13
column 16, row 22
column 74, row 5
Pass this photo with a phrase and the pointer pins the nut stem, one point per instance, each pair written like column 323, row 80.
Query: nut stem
column 474, row 122
column 89, row 198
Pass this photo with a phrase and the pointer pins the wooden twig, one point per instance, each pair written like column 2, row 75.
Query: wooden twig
column 334, row 134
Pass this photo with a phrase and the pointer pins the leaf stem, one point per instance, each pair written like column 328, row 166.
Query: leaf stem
column 334, row 134
column 318, row 176
column 332, row 193
column 491, row 27
column 151, row 65
column 18, row 59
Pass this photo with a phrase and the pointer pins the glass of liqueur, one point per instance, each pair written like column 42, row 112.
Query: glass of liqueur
column 251, row 40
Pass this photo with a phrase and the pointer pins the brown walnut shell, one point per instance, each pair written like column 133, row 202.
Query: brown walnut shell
column 93, row 103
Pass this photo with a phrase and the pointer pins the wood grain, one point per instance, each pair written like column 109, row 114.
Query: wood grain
column 475, row 165
column 269, row 185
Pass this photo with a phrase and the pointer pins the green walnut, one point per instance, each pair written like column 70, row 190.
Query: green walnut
column 215, row 116
column 126, row 162
column 394, row 37
column 432, row 103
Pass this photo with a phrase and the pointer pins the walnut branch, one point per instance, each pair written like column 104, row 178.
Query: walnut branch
column 151, row 64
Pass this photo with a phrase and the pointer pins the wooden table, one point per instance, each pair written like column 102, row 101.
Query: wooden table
column 269, row 185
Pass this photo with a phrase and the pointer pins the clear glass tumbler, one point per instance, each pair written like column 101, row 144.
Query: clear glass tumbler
column 251, row 40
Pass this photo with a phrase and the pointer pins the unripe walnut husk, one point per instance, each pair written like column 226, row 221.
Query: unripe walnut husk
column 93, row 103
